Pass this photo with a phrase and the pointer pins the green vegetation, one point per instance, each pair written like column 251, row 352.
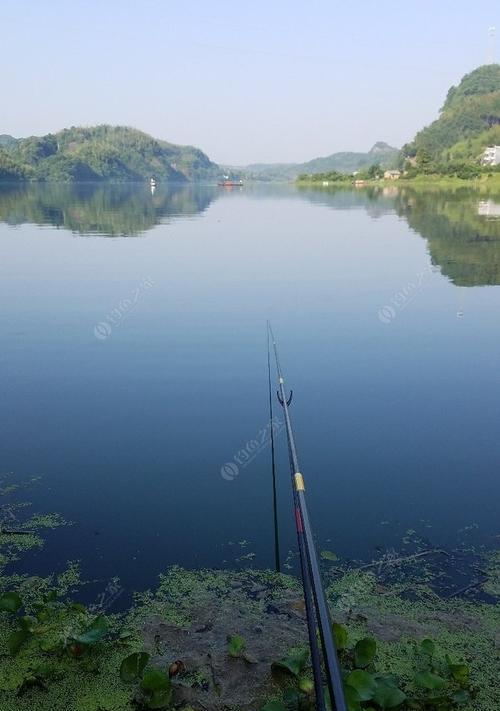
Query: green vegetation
column 463, row 241
column 111, row 209
column 337, row 164
column 469, row 121
column 374, row 173
column 401, row 646
column 113, row 153
column 438, row 683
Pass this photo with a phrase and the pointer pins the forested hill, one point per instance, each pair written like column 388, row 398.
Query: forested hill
column 468, row 122
column 101, row 153
column 344, row 162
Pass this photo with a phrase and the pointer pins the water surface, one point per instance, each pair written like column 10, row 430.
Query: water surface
column 134, row 368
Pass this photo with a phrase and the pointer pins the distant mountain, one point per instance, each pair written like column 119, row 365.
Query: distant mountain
column 345, row 162
column 115, row 153
column 469, row 120
column 7, row 141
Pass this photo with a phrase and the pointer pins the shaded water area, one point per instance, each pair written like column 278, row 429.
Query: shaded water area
column 134, row 370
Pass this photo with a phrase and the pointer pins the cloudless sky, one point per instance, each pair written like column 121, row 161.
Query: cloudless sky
column 244, row 81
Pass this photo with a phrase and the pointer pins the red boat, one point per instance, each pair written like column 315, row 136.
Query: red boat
column 231, row 184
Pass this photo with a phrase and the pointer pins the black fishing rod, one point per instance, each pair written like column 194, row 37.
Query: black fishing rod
column 306, row 584
column 273, row 464
column 311, row 578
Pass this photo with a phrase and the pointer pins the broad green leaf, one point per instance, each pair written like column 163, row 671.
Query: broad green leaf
column 10, row 602
column 460, row 672
column 157, row 686
column 15, row 641
column 274, row 706
column 235, row 645
column 133, row 666
column 388, row 696
column 329, row 555
column 428, row 680
column 364, row 684
column 160, row 699
column 427, row 647
column 305, row 684
column 94, row 631
column 352, row 698
column 294, row 663
column 155, row 680
column 340, row 635
column 364, row 652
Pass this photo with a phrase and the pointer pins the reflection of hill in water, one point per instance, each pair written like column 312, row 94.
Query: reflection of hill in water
column 462, row 226
column 110, row 210
column 376, row 201
column 461, row 230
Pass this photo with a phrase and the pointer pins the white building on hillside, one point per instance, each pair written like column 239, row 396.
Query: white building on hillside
column 491, row 156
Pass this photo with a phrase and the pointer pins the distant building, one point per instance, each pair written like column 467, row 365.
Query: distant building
column 392, row 175
column 491, row 155
column 488, row 208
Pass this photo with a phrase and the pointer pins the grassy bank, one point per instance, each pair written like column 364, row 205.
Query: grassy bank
column 220, row 640
column 421, row 181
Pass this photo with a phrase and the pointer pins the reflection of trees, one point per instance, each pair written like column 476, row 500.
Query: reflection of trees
column 376, row 201
column 111, row 210
column 462, row 242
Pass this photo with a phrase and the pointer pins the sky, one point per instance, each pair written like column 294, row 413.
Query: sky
column 246, row 82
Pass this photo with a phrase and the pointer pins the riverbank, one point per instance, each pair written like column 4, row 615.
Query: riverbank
column 427, row 182
column 219, row 640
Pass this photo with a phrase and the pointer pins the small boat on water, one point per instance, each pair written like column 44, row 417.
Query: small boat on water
column 152, row 182
column 227, row 183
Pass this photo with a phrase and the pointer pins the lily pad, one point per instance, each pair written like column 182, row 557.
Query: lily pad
column 428, row 680
column 158, row 688
column 364, row 651
column 94, row 631
column 15, row 641
column 340, row 635
column 388, row 696
column 10, row 602
column 235, row 645
column 364, row 683
column 352, row 698
column 294, row 663
column 427, row 647
column 133, row 666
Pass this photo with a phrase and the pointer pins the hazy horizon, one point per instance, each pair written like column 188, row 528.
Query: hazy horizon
column 258, row 84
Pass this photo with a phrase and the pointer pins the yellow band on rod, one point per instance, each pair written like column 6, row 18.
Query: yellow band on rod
column 299, row 482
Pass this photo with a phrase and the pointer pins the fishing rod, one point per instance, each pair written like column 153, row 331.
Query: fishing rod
column 306, row 583
column 273, row 464
column 311, row 578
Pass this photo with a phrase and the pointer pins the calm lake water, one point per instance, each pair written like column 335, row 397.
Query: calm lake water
column 134, row 368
